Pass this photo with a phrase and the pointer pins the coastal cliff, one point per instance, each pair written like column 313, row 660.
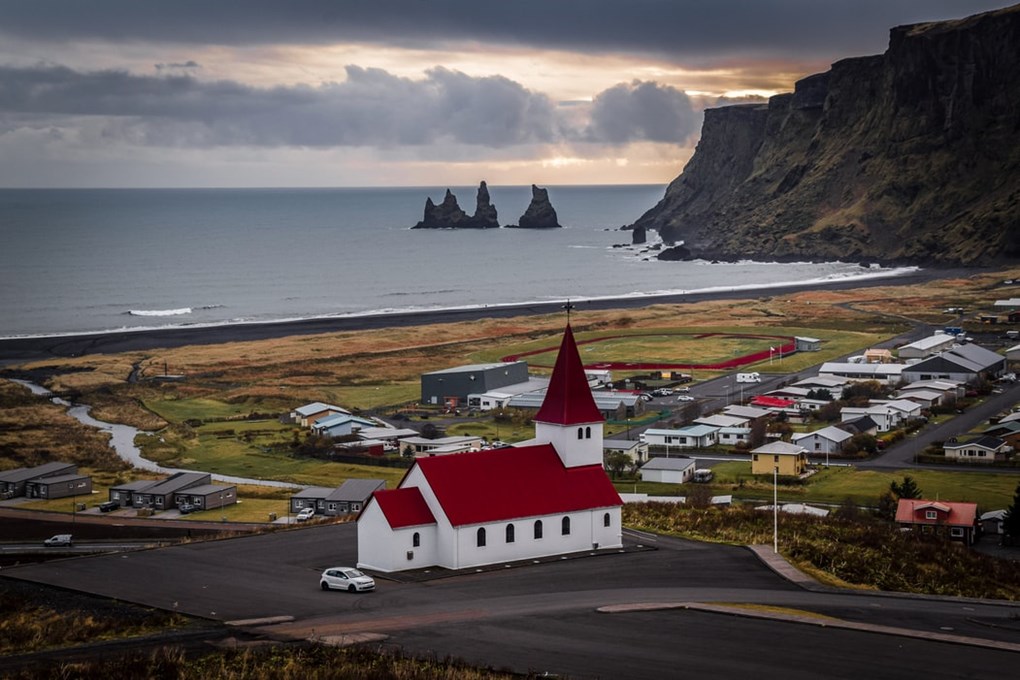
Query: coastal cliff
column 912, row 156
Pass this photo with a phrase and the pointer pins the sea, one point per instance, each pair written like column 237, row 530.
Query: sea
column 95, row 260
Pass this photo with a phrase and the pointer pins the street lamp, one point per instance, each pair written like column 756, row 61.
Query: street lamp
column 775, row 509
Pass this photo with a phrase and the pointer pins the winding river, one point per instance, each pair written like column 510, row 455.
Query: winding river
column 122, row 439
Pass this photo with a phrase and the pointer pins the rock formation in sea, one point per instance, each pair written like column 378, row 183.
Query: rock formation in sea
column 540, row 213
column 911, row 156
column 449, row 215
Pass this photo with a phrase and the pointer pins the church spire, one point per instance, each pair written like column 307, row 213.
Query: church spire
column 568, row 400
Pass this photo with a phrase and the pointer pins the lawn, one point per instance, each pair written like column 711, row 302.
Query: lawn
column 990, row 491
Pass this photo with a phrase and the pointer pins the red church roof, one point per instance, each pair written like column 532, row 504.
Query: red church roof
column 514, row 482
column 568, row 400
column 403, row 507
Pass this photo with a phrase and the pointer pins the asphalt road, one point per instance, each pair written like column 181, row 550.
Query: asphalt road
column 545, row 617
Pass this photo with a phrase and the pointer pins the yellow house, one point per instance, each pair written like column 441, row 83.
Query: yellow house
column 791, row 459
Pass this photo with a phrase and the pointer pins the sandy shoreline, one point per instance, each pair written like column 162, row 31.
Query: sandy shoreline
column 19, row 350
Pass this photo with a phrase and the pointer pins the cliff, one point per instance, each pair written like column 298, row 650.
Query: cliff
column 449, row 215
column 909, row 156
column 540, row 213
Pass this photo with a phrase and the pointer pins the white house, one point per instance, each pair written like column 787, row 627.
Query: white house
column 507, row 504
column 309, row 413
column 668, row 470
column 720, row 420
column 886, row 417
column 826, row 440
column 925, row 347
column 731, row 436
column 984, row 449
column 908, row 407
column 887, row 373
column 635, row 449
column 690, row 437
column 442, row 446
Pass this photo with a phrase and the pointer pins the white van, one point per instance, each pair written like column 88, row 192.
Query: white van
column 748, row 377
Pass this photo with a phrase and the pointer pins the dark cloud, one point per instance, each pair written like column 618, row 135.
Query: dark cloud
column 683, row 28
column 643, row 111
column 370, row 108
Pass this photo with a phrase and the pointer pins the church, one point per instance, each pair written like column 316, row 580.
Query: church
column 547, row 496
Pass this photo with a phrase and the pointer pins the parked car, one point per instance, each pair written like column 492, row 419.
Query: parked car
column 346, row 578
column 59, row 540
column 108, row 506
column 685, row 397
column 185, row 508
column 305, row 515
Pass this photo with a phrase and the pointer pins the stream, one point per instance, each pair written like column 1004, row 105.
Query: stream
column 122, row 439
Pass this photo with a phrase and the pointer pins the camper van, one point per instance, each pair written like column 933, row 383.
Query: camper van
column 748, row 377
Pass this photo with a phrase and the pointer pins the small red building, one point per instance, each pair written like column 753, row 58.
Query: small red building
column 958, row 521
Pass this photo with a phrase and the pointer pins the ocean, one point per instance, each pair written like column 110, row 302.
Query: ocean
column 94, row 260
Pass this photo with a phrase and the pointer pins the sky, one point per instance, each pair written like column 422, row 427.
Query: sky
column 266, row 93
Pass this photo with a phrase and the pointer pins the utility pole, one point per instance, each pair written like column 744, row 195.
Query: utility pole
column 775, row 509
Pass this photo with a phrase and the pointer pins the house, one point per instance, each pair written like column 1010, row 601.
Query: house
column 677, row 470
column 635, row 449
column 340, row 425
column 876, row 355
column 983, row 449
column 790, row 459
column 776, row 404
column 207, row 496
column 957, row 520
column 926, row 347
column 925, row 398
column 805, row 344
column 514, row 503
column 442, row 446
column 612, row 405
column 832, row 384
column 162, row 495
column 886, row 373
column 720, row 420
column 309, row 413
column 952, row 389
column 1013, row 353
column 451, row 386
column 828, row 440
column 58, row 486
column 731, row 436
column 1008, row 431
column 992, row 522
column 859, row 425
column 500, row 397
column 392, row 436
column 345, row 499
column 749, row 413
column 690, row 437
column 963, row 363
column 124, row 493
column 886, row 417
column 909, row 408
column 13, row 482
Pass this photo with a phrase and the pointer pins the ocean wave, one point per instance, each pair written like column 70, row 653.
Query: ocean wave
column 160, row 312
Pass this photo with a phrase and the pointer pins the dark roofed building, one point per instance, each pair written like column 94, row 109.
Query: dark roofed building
column 13, row 482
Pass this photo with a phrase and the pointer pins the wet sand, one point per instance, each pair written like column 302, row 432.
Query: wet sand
column 20, row 350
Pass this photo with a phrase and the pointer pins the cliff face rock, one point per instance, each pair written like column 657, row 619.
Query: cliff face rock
column 449, row 215
column 540, row 213
column 909, row 156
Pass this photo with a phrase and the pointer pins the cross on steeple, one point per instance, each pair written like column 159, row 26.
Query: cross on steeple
column 568, row 307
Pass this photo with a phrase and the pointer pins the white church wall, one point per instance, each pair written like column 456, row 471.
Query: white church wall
column 610, row 536
column 572, row 442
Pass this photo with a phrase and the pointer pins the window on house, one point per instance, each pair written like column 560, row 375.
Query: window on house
column 930, row 514
column 509, row 533
column 606, row 520
column 481, row 537
column 587, row 433
column 565, row 526
column 775, row 459
column 416, row 540
column 580, row 433
column 956, row 532
column 538, row 529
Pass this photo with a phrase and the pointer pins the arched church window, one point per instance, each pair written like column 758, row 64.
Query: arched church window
column 565, row 526
column 416, row 540
column 538, row 528
column 580, row 433
column 587, row 432
column 605, row 520
column 481, row 537
column 509, row 533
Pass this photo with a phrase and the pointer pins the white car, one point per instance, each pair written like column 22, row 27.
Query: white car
column 58, row 540
column 685, row 397
column 346, row 578
column 305, row 515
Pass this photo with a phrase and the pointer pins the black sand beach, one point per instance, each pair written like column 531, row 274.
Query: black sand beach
column 20, row 350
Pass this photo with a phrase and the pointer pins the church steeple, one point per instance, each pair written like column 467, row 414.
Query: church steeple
column 569, row 418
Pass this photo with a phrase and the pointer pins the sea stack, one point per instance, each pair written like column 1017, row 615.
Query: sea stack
column 449, row 215
column 540, row 213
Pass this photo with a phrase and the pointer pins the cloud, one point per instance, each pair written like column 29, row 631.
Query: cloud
column 185, row 66
column 682, row 28
column 643, row 111
column 371, row 108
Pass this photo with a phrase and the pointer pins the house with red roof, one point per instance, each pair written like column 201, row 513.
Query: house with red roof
column 958, row 521
column 549, row 496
